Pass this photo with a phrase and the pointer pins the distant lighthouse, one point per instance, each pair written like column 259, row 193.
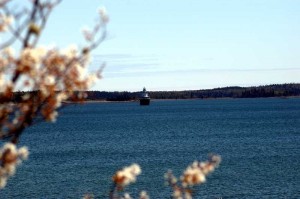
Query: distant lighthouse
column 144, row 97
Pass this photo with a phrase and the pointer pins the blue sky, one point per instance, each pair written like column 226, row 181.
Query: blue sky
column 191, row 44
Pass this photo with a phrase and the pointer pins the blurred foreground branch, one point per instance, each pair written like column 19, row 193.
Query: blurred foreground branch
column 53, row 74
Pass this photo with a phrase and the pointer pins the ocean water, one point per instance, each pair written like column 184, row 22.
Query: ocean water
column 258, row 139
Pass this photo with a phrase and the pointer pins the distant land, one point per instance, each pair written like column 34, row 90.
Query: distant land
column 274, row 90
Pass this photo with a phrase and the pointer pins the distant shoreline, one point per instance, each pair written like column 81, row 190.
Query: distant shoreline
column 236, row 92
column 276, row 90
column 136, row 101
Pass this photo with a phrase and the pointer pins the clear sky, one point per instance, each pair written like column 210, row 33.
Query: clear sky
column 187, row 44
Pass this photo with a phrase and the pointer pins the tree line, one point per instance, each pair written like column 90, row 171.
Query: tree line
column 274, row 90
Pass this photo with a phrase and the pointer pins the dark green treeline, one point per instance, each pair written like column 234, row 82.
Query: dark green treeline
column 276, row 90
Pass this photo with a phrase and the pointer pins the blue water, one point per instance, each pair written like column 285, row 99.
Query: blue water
column 258, row 139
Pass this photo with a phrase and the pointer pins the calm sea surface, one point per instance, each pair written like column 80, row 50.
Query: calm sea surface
column 258, row 139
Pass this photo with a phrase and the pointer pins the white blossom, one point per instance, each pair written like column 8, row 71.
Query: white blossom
column 10, row 157
column 71, row 51
column 127, row 175
column 59, row 98
column 88, row 35
column 127, row 196
column 9, row 51
column 3, row 181
column 53, row 116
column 103, row 14
column 5, row 21
column 23, row 153
column 144, row 195
column 49, row 80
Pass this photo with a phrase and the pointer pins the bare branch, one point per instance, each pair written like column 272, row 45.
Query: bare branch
column 32, row 20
